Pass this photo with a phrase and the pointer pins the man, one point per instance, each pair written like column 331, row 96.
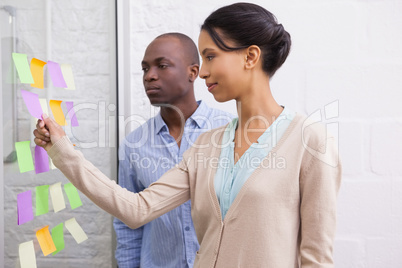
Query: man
column 170, row 67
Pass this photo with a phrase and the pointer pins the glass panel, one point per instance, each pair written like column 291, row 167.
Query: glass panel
column 82, row 34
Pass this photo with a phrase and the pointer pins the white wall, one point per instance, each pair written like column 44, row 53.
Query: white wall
column 345, row 51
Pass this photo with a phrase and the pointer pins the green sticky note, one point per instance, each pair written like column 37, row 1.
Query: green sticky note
column 42, row 199
column 72, row 195
column 23, row 69
column 58, row 238
column 24, row 156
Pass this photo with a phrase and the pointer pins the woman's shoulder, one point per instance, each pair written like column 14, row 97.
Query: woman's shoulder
column 312, row 129
column 212, row 135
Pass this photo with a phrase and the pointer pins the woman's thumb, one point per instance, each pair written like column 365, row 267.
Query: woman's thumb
column 49, row 122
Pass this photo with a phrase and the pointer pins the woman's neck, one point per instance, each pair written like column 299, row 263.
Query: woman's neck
column 257, row 109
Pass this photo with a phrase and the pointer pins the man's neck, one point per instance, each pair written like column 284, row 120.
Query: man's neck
column 176, row 116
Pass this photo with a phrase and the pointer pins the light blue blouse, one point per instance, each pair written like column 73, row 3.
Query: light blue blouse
column 230, row 177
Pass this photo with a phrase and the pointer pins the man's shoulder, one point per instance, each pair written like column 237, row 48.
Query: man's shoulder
column 143, row 127
column 215, row 111
column 216, row 117
column 210, row 137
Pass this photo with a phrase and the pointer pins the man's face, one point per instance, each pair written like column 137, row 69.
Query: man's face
column 166, row 71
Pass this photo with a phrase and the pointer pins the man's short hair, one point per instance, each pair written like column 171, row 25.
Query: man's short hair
column 188, row 44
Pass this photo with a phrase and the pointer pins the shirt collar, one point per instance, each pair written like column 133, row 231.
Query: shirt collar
column 285, row 114
column 199, row 117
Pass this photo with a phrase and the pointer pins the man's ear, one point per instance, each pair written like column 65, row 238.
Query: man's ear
column 252, row 57
column 194, row 69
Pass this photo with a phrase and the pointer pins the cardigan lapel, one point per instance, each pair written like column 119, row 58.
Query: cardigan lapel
column 253, row 175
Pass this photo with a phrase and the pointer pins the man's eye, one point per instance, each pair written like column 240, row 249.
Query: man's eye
column 162, row 66
column 144, row 69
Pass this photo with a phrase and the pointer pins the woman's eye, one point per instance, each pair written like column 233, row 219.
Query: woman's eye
column 209, row 58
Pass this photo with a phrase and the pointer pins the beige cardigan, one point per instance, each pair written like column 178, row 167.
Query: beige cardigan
column 283, row 217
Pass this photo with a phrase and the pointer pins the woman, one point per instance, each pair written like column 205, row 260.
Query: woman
column 263, row 188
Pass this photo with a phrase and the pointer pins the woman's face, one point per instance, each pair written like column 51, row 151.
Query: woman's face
column 223, row 71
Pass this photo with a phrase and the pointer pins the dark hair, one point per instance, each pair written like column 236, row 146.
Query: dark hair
column 248, row 24
column 188, row 45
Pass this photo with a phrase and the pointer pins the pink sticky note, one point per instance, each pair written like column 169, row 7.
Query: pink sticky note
column 24, row 207
column 55, row 74
column 71, row 113
column 32, row 102
column 41, row 160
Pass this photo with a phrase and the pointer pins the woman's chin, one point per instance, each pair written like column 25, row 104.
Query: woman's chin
column 221, row 98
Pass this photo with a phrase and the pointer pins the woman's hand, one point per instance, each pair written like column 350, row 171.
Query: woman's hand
column 47, row 132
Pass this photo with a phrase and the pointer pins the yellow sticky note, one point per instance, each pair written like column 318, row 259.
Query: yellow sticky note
column 45, row 241
column 55, row 106
column 43, row 105
column 68, row 75
column 75, row 230
column 27, row 255
column 37, row 73
column 57, row 197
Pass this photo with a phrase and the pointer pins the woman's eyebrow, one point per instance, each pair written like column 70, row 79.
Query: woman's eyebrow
column 206, row 50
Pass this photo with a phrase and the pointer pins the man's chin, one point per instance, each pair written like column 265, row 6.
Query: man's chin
column 158, row 103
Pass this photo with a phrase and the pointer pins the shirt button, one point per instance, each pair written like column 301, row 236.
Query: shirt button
column 190, row 260
column 187, row 228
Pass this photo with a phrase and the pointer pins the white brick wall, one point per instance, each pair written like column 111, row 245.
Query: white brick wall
column 348, row 51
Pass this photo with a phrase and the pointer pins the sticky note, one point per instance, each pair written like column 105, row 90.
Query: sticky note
column 24, row 207
column 68, row 75
column 24, row 72
column 55, row 106
column 24, row 156
column 43, row 105
column 55, row 74
column 41, row 160
column 32, row 102
column 57, row 197
column 52, row 166
column 58, row 238
column 75, row 230
column 45, row 240
column 37, row 73
column 72, row 195
column 27, row 255
column 42, row 199
column 71, row 113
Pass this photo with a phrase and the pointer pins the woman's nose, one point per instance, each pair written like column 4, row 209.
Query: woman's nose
column 204, row 74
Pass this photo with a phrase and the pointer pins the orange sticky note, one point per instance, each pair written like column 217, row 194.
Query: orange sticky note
column 55, row 106
column 37, row 72
column 45, row 240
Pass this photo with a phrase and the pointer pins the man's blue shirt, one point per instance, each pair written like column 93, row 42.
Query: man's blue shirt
column 144, row 156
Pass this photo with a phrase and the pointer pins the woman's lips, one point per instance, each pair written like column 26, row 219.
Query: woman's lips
column 211, row 86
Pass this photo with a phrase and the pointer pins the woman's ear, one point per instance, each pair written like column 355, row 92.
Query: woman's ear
column 252, row 57
column 194, row 69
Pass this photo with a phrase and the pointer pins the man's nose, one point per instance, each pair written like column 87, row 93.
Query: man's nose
column 151, row 75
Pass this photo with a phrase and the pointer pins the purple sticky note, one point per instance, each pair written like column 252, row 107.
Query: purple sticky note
column 71, row 113
column 55, row 74
column 32, row 102
column 24, row 207
column 41, row 160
